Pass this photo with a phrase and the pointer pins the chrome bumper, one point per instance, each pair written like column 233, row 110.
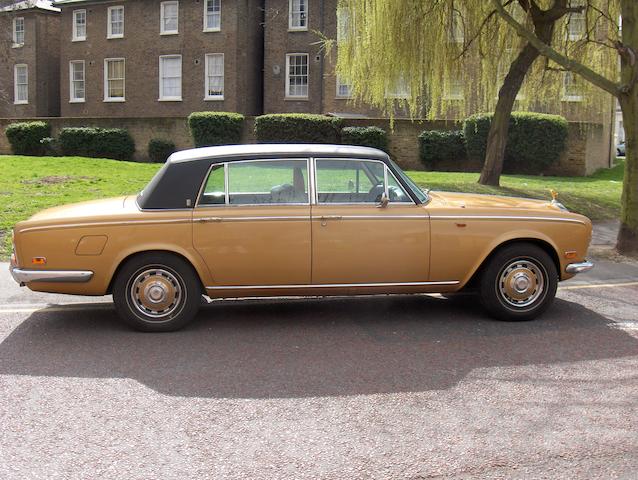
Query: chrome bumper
column 23, row 276
column 579, row 267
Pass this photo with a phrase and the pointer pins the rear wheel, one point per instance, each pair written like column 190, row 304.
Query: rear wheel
column 157, row 292
column 519, row 283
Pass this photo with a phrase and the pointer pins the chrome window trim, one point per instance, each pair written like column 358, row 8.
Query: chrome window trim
column 330, row 285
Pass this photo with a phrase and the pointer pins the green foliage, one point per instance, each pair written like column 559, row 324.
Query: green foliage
column 437, row 146
column 114, row 143
column 50, row 146
column 215, row 128
column 297, row 128
column 159, row 150
column 25, row 137
column 535, row 140
column 374, row 137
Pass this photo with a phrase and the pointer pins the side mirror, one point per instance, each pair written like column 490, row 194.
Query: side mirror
column 384, row 201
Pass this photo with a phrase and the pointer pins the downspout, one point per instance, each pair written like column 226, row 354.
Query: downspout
column 321, row 58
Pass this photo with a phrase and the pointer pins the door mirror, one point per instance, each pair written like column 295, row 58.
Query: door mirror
column 384, row 201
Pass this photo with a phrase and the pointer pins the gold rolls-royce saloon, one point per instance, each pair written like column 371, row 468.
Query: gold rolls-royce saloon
column 303, row 220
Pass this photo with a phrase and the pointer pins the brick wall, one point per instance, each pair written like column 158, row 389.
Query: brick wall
column 588, row 145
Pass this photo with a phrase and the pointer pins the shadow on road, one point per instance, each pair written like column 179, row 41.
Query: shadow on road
column 299, row 348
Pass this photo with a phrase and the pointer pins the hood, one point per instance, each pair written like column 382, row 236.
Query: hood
column 476, row 200
column 85, row 210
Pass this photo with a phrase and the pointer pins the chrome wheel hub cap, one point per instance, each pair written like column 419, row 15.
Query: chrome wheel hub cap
column 156, row 292
column 521, row 283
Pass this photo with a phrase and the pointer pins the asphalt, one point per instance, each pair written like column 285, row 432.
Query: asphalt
column 403, row 387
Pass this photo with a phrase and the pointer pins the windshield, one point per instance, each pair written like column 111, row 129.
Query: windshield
column 421, row 195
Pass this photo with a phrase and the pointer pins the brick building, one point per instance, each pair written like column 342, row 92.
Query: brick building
column 29, row 59
column 149, row 58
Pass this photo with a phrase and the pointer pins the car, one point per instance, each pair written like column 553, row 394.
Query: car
column 620, row 148
column 297, row 220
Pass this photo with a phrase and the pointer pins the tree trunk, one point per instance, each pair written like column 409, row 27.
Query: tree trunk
column 499, row 128
column 628, row 235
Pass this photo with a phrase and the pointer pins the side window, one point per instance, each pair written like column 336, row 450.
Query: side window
column 349, row 181
column 215, row 190
column 396, row 193
column 262, row 182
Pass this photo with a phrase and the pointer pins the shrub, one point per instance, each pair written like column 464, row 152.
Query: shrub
column 535, row 140
column 215, row 128
column 374, row 137
column 113, row 143
column 50, row 147
column 159, row 150
column 297, row 128
column 438, row 146
column 25, row 137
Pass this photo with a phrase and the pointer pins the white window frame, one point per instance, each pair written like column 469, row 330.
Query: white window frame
column 15, row 84
column 72, row 98
column 452, row 95
column 339, row 83
column 569, row 97
column 109, row 22
column 456, row 33
column 206, row 79
column 297, row 97
column 219, row 14
column 297, row 28
column 396, row 91
column 162, row 98
column 343, row 24
column 16, row 41
column 106, row 81
column 162, row 7
column 579, row 19
column 76, row 37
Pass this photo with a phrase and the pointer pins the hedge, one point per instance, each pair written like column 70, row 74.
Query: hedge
column 438, row 146
column 215, row 128
column 25, row 137
column 535, row 140
column 159, row 150
column 297, row 128
column 113, row 143
column 374, row 137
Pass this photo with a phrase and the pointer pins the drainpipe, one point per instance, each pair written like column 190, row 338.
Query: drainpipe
column 321, row 66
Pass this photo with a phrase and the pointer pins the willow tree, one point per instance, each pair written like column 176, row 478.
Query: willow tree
column 429, row 45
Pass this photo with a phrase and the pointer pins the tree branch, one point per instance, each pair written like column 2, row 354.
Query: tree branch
column 567, row 63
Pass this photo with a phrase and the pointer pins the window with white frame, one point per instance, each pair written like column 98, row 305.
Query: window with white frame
column 79, row 25
column 212, row 15
column 298, row 14
column 454, row 89
column 77, row 90
column 456, row 32
column 170, row 78
column 572, row 88
column 344, row 89
column 214, row 76
column 297, row 75
column 400, row 89
column 115, row 25
column 169, row 18
column 577, row 21
column 114, row 79
column 21, row 84
column 18, row 31
column 343, row 24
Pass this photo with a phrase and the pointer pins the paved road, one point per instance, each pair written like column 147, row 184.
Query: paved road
column 379, row 387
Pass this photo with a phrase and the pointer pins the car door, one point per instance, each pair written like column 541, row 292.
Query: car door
column 357, row 241
column 251, row 223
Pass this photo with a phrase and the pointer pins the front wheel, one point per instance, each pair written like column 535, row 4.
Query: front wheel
column 157, row 292
column 519, row 283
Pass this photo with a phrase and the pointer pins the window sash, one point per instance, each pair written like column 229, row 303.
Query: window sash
column 115, row 76
column 214, row 76
column 171, row 77
column 79, row 25
column 297, row 75
column 21, row 84
column 576, row 22
column 344, row 90
column 571, row 88
column 169, row 13
column 18, row 31
column 116, row 22
column 298, row 14
column 212, row 15
column 77, row 83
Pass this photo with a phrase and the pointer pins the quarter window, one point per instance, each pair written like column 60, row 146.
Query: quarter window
column 21, row 84
column 170, row 86
column 297, row 75
column 76, row 81
column 115, row 26
column 18, row 31
column 169, row 18
column 214, row 76
column 79, row 25
column 114, row 79
column 212, row 15
column 298, row 14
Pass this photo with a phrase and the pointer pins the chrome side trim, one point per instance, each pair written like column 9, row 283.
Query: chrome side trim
column 330, row 285
column 23, row 276
column 252, row 219
column 374, row 217
column 579, row 267
column 505, row 217
column 99, row 224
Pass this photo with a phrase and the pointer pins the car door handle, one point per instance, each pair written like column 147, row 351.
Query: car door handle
column 331, row 217
column 208, row 219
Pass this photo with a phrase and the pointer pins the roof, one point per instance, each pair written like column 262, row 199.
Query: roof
column 270, row 149
column 29, row 4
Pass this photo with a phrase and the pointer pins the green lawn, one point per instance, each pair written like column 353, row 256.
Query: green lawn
column 29, row 184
